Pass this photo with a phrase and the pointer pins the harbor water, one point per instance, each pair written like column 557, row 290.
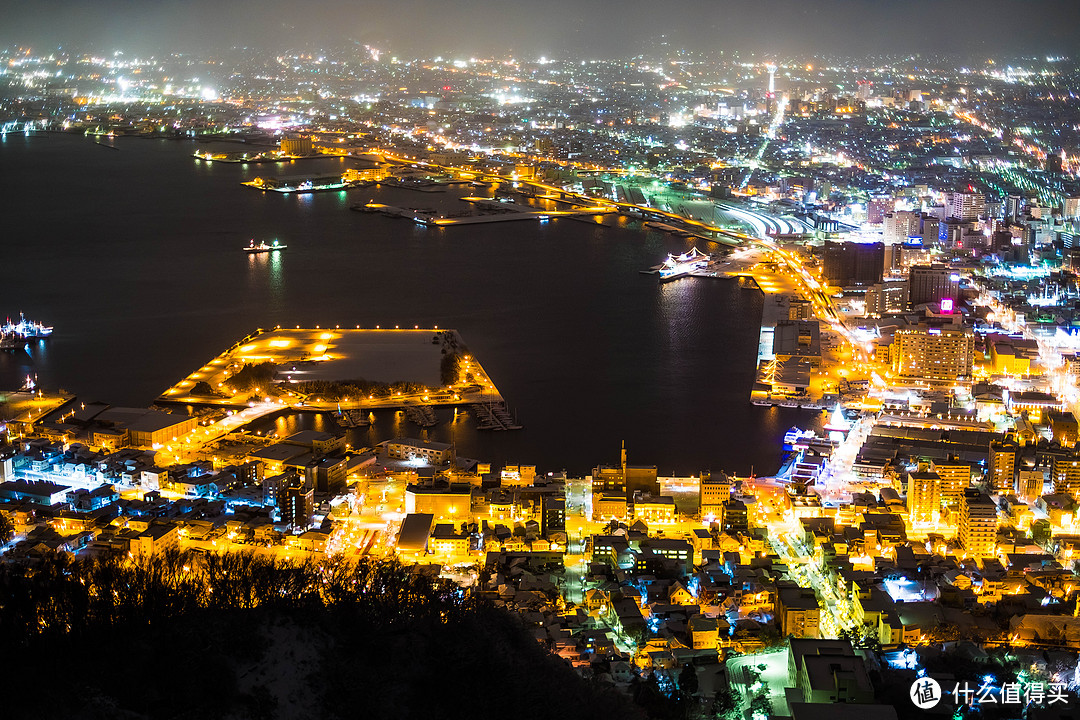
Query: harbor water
column 136, row 257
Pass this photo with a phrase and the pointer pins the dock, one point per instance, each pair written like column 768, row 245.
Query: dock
column 508, row 213
column 353, row 418
column 422, row 415
column 290, row 359
column 494, row 416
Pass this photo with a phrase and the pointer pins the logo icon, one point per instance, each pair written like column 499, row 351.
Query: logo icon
column 925, row 693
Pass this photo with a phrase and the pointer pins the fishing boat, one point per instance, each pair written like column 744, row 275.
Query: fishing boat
column 25, row 329
column 262, row 247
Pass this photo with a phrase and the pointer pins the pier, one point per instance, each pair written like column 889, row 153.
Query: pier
column 290, row 362
column 422, row 415
column 272, row 156
column 508, row 213
column 494, row 416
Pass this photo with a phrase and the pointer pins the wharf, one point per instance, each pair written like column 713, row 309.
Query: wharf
column 807, row 403
column 248, row 159
column 494, row 416
column 326, row 357
column 298, row 189
column 23, row 409
column 428, row 186
column 509, row 214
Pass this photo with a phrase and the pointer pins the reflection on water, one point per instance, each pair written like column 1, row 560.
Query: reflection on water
column 266, row 274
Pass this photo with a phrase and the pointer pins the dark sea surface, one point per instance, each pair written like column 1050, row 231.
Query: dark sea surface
column 134, row 255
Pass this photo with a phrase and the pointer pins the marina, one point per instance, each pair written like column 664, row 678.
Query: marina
column 494, row 416
column 421, row 415
column 356, row 418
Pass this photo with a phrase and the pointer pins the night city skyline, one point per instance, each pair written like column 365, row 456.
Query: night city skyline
column 555, row 360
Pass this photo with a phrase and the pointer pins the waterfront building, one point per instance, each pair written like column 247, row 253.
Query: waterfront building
column 714, row 491
column 934, row 354
column 626, row 478
column 273, row 458
column 296, row 145
column 147, row 428
column 424, row 451
column 363, row 175
column 517, row 476
column 798, row 339
column 320, row 443
column 978, row 524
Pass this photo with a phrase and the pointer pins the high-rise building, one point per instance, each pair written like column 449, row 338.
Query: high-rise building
column 1001, row 466
column 1070, row 209
column 770, row 93
column 296, row 501
column 965, row 205
column 1014, row 206
column 886, row 298
column 1066, row 475
column 934, row 354
column 901, row 225
column 932, row 283
column 877, row 208
column 923, row 496
column 978, row 523
column 848, row 263
column 955, row 478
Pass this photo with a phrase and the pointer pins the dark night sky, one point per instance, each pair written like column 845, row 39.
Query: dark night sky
column 582, row 28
